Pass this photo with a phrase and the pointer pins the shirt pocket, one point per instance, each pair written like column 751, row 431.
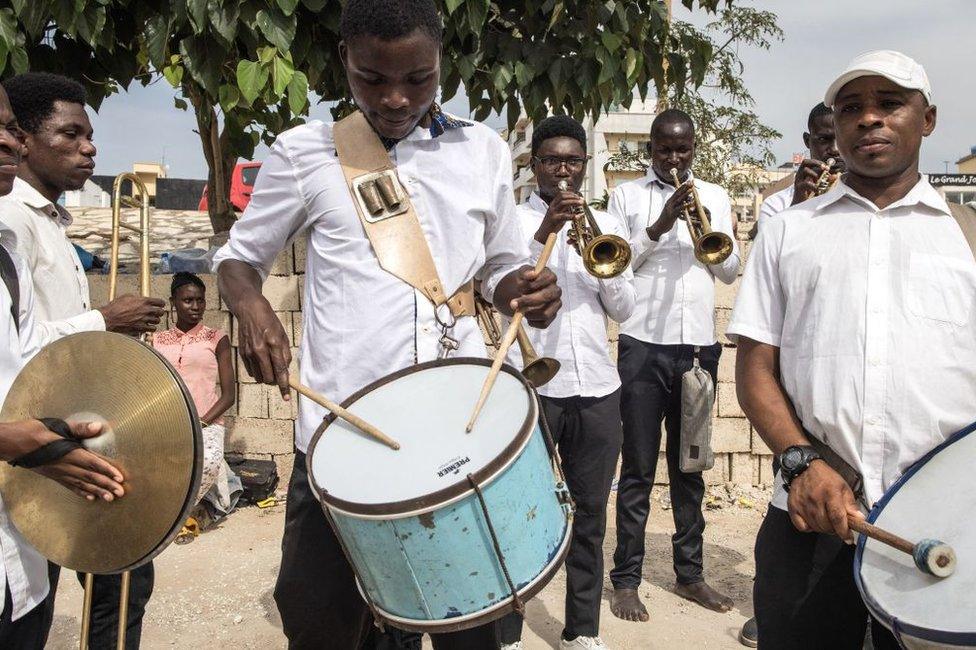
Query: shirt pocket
column 940, row 288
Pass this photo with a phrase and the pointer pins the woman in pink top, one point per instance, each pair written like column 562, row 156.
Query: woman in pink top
column 202, row 357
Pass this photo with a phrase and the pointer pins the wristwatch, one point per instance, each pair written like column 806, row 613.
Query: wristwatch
column 794, row 461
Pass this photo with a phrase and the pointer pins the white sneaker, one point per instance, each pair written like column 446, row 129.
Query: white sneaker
column 512, row 646
column 588, row 642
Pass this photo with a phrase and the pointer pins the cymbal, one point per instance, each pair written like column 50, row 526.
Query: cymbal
column 152, row 435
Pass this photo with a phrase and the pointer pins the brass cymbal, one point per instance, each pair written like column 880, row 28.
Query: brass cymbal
column 153, row 436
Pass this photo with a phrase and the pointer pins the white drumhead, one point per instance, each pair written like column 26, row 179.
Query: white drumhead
column 937, row 501
column 426, row 411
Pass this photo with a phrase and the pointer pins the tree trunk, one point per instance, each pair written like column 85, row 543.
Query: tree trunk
column 220, row 163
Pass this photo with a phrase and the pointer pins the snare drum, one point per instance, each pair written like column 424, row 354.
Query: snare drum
column 935, row 498
column 445, row 532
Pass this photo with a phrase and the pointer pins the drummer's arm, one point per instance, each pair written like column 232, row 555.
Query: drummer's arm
column 819, row 499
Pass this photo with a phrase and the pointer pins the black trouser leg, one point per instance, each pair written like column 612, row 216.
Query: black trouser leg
column 687, row 489
column 106, row 594
column 645, row 375
column 29, row 632
column 804, row 594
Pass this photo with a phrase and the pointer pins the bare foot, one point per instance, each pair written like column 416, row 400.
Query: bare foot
column 625, row 604
column 705, row 596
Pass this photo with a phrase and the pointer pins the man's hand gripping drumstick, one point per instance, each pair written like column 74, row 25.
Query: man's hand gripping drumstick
column 509, row 337
column 263, row 344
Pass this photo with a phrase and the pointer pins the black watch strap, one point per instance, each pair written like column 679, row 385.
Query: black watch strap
column 794, row 461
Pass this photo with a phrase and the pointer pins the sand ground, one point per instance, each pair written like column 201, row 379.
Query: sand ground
column 216, row 591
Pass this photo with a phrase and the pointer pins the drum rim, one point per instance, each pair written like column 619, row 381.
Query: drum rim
column 439, row 498
column 493, row 613
column 896, row 626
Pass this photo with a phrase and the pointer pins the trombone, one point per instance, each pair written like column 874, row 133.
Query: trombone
column 711, row 247
column 537, row 370
column 604, row 256
column 142, row 203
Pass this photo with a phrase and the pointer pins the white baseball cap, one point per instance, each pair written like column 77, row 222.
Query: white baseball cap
column 895, row 66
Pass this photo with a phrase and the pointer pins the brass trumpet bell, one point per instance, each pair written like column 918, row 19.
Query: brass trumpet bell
column 604, row 256
column 711, row 246
column 537, row 370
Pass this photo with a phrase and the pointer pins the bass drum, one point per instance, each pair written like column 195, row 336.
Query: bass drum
column 152, row 435
column 935, row 498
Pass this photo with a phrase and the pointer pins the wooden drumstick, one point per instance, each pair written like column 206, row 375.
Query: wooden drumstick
column 930, row 555
column 507, row 340
column 339, row 411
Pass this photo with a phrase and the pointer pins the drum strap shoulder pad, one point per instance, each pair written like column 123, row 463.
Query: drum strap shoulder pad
column 9, row 273
column 965, row 216
column 388, row 216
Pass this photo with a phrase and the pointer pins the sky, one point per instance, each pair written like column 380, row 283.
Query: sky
column 786, row 81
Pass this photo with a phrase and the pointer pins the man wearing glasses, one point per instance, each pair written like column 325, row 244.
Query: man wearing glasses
column 582, row 402
column 672, row 326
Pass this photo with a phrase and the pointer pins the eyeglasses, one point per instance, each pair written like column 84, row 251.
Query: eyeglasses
column 552, row 164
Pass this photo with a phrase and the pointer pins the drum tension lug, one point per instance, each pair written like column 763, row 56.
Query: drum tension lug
column 564, row 498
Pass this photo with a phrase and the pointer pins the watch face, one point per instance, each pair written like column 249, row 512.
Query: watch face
column 791, row 459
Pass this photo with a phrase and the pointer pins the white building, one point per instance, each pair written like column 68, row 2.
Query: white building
column 89, row 196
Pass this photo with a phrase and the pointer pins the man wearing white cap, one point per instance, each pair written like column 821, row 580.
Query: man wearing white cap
column 854, row 308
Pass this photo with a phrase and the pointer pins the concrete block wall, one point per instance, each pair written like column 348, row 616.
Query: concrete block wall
column 261, row 424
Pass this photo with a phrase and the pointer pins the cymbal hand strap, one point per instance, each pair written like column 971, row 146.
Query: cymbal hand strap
column 52, row 451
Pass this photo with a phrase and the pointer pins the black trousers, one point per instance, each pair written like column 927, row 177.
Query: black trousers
column 29, row 632
column 804, row 594
column 587, row 432
column 316, row 592
column 651, row 393
column 106, row 592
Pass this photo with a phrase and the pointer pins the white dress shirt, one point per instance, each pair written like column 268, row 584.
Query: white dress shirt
column 62, row 303
column 24, row 570
column 360, row 322
column 675, row 292
column 774, row 204
column 872, row 311
column 577, row 338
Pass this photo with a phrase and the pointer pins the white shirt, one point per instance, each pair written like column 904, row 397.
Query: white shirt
column 675, row 292
column 577, row 338
column 360, row 322
column 872, row 311
column 62, row 303
column 22, row 568
column 775, row 203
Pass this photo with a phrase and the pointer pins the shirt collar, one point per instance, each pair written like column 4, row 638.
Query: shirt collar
column 440, row 123
column 25, row 193
column 537, row 203
column 651, row 177
column 190, row 332
column 921, row 193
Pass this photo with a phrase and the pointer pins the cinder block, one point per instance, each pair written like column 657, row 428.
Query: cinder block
column 242, row 375
column 722, row 319
column 278, row 408
column 730, row 435
column 719, row 474
column 728, row 403
column 286, row 323
column 252, row 401
column 283, row 264
column 765, row 463
column 726, row 365
column 742, row 468
column 299, row 254
column 297, row 327
column 282, row 292
column 218, row 320
column 259, row 436
column 301, row 293
column 758, row 446
column 725, row 294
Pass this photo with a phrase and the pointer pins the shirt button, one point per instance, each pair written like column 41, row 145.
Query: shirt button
column 875, row 361
column 873, row 419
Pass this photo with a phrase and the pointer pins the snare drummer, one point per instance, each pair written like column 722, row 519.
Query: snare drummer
column 360, row 322
column 855, row 328
column 582, row 402
column 25, row 620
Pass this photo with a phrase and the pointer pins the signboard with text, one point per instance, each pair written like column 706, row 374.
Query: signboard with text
column 941, row 180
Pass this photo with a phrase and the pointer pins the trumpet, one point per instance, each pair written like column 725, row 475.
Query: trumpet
column 711, row 247
column 604, row 256
column 826, row 179
column 537, row 370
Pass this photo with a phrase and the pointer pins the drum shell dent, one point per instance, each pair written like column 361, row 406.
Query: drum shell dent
column 429, row 564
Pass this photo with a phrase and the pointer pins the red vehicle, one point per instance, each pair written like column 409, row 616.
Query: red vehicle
column 241, row 184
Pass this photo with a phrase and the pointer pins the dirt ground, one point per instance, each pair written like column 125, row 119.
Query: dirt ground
column 216, row 591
